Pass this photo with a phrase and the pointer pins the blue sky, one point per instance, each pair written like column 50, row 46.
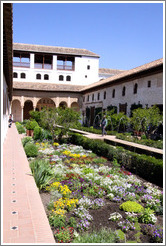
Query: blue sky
column 125, row 35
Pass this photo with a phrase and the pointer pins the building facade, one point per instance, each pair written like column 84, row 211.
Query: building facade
column 142, row 85
column 70, row 77
column 7, row 65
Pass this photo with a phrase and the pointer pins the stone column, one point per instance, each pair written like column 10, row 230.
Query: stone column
column 32, row 60
column 54, row 63
column 68, row 102
column 22, row 113
column 57, row 101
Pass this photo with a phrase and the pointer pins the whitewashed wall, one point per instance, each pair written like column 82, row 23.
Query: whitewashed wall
column 145, row 95
column 81, row 75
column 6, row 110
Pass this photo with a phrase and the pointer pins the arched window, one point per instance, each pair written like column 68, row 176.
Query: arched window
column 60, row 77
column 113, row 93
column 15, row 75
column 23, row 75
column 135, row 88
column 68, row 78
column 38, row 76
column 46, row 77
column 123, row 91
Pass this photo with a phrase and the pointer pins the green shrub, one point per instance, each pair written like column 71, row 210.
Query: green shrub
column 148, row 217
column 41, row 172
column 24, row 122
column 26, row 140
column 31, row 150
column 57, row 221
column 20, row 128
column 131, row 206
column 31, row 124
column 37, row 133
column 102, row 236
column 35, row 115
column 72, row 222
column 148, row 142
column 45, row 134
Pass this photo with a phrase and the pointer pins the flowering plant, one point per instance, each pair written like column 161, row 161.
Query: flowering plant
column 155, row 232
column 64, row 235
column 115, row 216
column 83, row 213
column 83, row 225
column 126, row 225
column 148, row 216
column 132, row 217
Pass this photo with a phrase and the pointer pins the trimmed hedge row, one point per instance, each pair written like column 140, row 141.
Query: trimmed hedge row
column 148, row 142
column 147, row 167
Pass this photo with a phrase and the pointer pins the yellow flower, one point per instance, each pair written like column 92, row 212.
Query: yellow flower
column 56, row 144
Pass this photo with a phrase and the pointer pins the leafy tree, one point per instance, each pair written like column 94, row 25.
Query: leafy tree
column 66, row 118
column 115, row 121
column 35, row 115
column 146, row 120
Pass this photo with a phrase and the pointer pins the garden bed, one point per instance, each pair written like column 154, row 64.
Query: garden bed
column 80, row 191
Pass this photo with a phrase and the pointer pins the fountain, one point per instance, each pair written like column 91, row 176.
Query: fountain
column 120, row 123
column 111, row 123
column 96, row 124
column 86, row 121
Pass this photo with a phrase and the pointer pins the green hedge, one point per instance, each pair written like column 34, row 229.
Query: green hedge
column 148, row 142
column 147, row 167
column 94, row 130
column 20, row 128
column 31, row 150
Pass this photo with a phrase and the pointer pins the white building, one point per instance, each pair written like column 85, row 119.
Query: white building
column 58, row 65
column 7, row 65
column 141, row 85
column 58, row 76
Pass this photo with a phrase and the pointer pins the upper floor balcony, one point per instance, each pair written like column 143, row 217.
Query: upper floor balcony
column 21, row 60
column 43, row 61
column 65, row 63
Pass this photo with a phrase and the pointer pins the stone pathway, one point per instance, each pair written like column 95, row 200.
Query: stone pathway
column 24, row 217
column 112, row 139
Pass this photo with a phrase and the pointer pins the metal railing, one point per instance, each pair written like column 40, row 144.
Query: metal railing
column 21, row 64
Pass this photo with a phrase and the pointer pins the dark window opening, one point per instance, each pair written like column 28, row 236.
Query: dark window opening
column 60, row 77
column 98, row 96
column 68, row 78
column 124, row 91
column 23, row 75
column 15, row 75
column 21, row 59
column 86, row 76
column 88, row 67
column 104, row 94
column 46, row 77
column 92, row 97
column 113, row 93
column 135, row 88
column 65, row 63
column 88, row 98
column 149, row 83
column 43, row 61
column 38, row 76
